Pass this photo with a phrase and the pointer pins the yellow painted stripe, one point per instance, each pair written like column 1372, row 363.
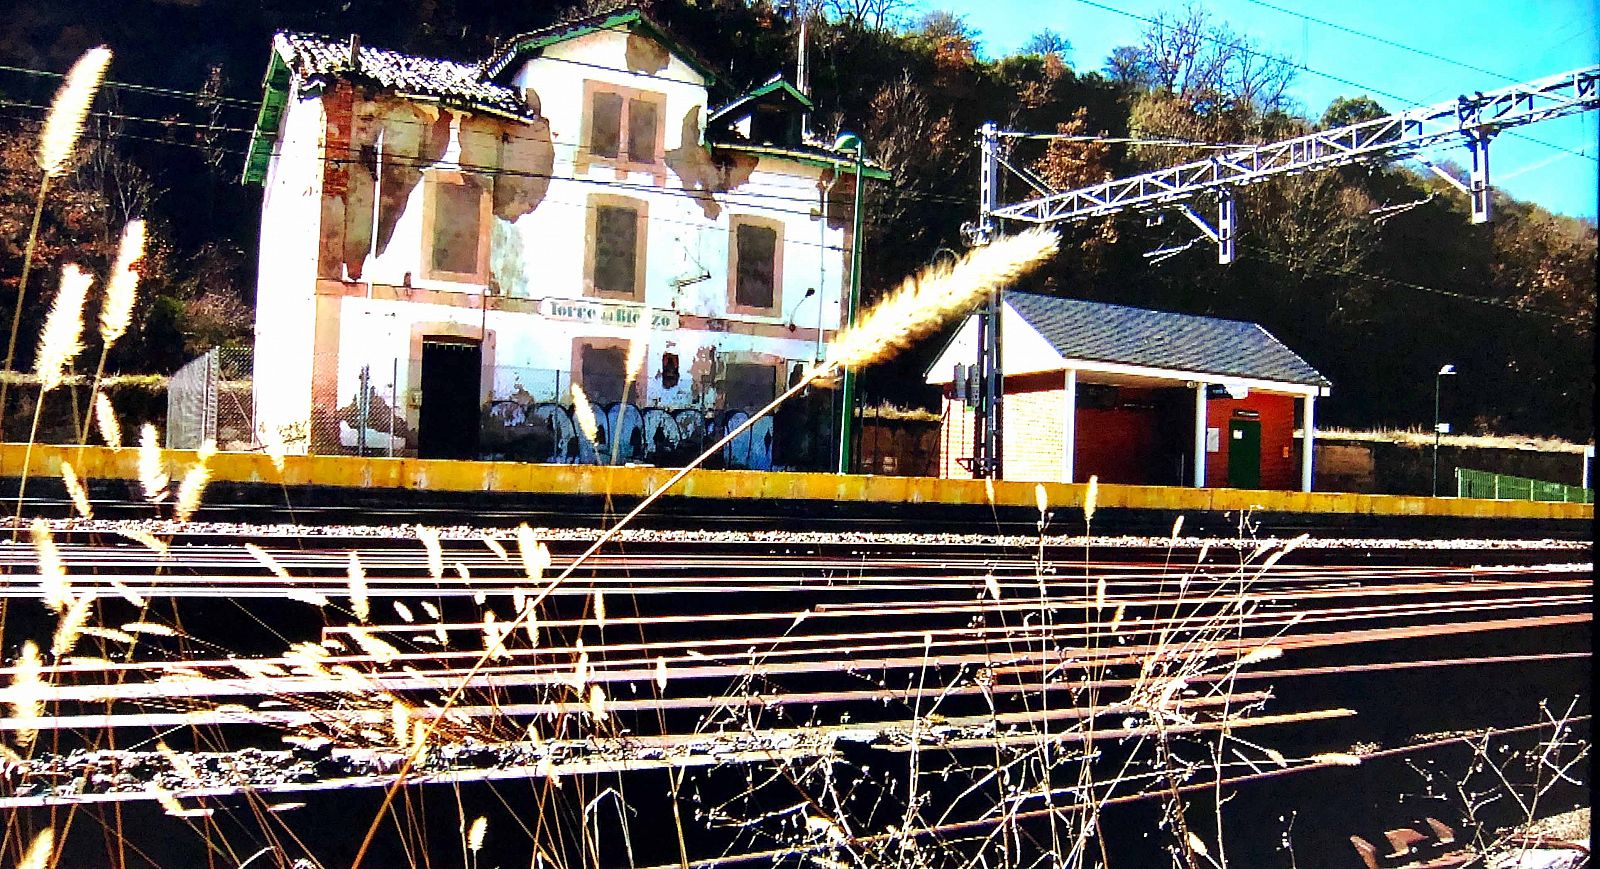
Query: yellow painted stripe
column 449, row 476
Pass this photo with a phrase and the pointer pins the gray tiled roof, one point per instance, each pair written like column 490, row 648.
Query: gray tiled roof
column 446, row 80
column 1137, row 336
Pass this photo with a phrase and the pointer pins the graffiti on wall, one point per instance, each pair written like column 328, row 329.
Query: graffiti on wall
column 546, row 432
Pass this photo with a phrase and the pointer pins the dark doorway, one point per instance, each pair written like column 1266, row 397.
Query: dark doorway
column 1244, row 453
column 447, row 425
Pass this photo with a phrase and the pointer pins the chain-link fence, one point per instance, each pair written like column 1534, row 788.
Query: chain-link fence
column 209, row 399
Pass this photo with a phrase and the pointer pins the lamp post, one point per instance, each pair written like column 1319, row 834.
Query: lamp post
column 847, row 386
column 1438, row 427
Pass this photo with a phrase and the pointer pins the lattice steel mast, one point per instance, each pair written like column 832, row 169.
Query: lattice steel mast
column 1476, row 119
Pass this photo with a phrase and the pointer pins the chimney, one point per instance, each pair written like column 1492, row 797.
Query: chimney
column 355, row 52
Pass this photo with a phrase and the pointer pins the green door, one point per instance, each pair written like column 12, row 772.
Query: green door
column 1244, row 453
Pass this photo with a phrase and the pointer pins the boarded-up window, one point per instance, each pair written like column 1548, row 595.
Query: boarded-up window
column 616, row 249
column 605, row 124
column 749, row 385
column 756, row 261
column 457, row 228
column 641, row 131
column 669, row 370
column 602, row 373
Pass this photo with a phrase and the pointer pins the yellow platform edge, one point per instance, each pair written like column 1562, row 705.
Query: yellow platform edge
column 436, row 475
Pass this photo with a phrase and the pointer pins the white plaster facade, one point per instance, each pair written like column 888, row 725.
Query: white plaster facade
column 321, row 323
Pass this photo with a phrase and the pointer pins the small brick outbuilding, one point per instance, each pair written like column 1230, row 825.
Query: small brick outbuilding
column 1155, row 398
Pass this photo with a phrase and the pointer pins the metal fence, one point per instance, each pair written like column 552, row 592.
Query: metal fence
column 210, row 398
column 1483, row 484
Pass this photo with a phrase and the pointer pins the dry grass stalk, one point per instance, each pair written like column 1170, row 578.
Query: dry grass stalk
column 1090, row 497
column 475, row 834
column 40, row 851
column 1264, row 653
column 27, row 691
column 357, row 580
column 64, row 125
column 54, row 586
column 430, row 541
column 597, row 703
column 380, row 651
column 105, row 418
column 75, row 491
column 535, row 555
column 1338, row 758
column 70, row 625
column 661, row 673
column 931, row 298
column 180, row 764
column 599, row 608
column 583, row 412
column 268, row 561
column 153, row 477
column 193, row 484
column 146, row 539
column 62, row 337
column 494, row 546
column 123, row 287
column 149, row 629
column 400, row 723
column 404, row 612
column 272, row 443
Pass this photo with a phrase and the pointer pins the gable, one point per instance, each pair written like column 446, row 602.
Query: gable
column 648, row 47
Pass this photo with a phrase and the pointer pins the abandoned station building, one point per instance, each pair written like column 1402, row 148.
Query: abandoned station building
column 447, row 247
column 1134, row 396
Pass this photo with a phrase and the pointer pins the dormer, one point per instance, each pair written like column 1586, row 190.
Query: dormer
column 769, row 115
column 642, row 46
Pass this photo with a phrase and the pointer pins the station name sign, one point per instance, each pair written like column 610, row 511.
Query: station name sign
column 606, row 313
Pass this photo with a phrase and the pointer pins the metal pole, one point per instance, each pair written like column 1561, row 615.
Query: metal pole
column 1437, row 380
column 988, row 441
column 847, row 389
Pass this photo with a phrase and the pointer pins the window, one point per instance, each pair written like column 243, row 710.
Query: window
column 754, row 268
column 624, row 126
column 748, row 386
column 669, row 371
column 605, row 124
column 599, row 365
column 616, row 242
column 456, row 219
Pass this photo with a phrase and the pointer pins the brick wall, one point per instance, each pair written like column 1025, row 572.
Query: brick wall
column 1034, row 416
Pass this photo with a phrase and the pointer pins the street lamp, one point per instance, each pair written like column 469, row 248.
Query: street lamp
column 1438, row 427
column 847, row 386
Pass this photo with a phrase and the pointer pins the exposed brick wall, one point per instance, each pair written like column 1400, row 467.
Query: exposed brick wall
column 955, row 437
column 1034, row 409
column 1279, row 465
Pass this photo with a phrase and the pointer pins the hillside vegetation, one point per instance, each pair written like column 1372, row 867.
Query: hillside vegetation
column 1377, row 306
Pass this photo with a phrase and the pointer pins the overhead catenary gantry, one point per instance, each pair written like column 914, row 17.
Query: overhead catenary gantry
column 1471, row 119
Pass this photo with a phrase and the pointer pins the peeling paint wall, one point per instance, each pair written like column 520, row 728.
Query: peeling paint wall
column 530, row 297
column 286, row 277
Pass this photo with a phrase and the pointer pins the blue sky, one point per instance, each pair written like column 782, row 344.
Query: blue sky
column 1507, row 41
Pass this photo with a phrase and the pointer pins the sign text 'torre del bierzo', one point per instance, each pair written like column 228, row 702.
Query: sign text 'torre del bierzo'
column 610, row 314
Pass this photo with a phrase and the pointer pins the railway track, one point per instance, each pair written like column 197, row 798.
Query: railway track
column 215, row 681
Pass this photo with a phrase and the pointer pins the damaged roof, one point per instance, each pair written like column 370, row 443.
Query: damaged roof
column 1103, row 332
column 312, row 56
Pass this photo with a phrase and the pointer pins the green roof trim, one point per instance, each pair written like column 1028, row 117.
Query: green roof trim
column 806, row 158
column 632, row 19
column 274, row 97
column 776, row 86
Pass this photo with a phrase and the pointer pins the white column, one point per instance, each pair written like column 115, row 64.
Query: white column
column 1200, row 435
column 1069, row 426
column 1307, row 443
